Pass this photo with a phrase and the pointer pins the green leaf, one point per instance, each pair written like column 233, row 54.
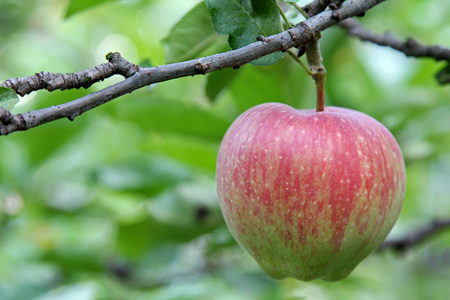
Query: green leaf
column 146, row 63
column 190, row 36
column 83, row 290
column 76, row 6
column 284, row 82
column 244, row 20
column 8, row 98
column 218, row 81
column 194, row 151
column 443, row 76
column 176, row 117
column 187, row 205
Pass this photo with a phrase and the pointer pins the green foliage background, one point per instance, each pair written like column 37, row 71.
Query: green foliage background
column 121, row 203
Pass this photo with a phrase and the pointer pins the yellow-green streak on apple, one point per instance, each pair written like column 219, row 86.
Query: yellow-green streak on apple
column 309, row 194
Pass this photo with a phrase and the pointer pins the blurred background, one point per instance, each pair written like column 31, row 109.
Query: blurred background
column 121, row 202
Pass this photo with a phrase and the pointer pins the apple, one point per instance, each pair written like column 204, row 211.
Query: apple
column 309, row 194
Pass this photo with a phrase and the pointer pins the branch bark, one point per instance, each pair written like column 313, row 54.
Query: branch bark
column 415, row 238
column 316, row 7
column 296, row 36
column 410, row 47
column 57, row 81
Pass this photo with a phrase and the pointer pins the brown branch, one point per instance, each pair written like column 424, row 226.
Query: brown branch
column 57, row 81
column 336, row 4
column 296, row 36
column 410, row 47
column 316, row 6
column 415, row 238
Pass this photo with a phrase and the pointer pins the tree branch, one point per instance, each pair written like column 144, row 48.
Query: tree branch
column 316, row 7
column 336, row 3
column 415, row 238
column 410, row 47
column 57, row 81
column 296, row 36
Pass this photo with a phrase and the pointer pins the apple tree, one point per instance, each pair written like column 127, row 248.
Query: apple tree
column 108, row 167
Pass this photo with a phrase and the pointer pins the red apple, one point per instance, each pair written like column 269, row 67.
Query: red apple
column 309, row 194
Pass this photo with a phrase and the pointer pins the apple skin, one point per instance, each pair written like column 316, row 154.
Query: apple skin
column 309, row 194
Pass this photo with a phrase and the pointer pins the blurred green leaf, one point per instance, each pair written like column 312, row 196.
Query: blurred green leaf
column 136, row 239
column 124, row 207
column 177, row 117
column 443, row 76
column 187, row 205
column 193, row 151
column 190, row 36
column 12, row 15
column 284, row 82
column 145, row 173
column 77, row 6
column 8, row 98
column 27, row 279
column 147, row 63
column 243, row 21
column 218, row 81
column 80, row 291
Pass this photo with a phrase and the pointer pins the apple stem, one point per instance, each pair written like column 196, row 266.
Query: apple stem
column 318, row 71
column 319, row 78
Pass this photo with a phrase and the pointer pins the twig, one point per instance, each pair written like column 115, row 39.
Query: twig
column 57, row 81
column 415, row 238
column 283, row 15
column 298, row 35
column 298, row 60
column 316, row 7
column 336, row 4
column 410, row 47
column 300, row 10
